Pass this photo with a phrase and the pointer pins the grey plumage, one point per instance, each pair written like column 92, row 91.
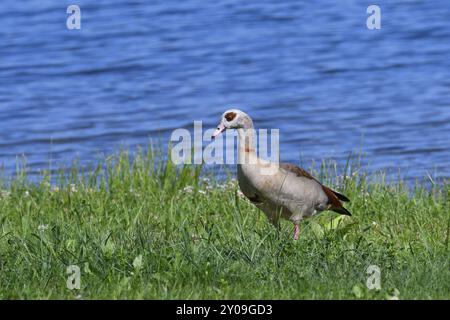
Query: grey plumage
column 288, row 192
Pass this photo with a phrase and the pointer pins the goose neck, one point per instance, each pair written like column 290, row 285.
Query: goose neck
column 246, row 146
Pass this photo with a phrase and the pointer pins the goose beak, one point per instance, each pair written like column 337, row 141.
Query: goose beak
column 221, row 128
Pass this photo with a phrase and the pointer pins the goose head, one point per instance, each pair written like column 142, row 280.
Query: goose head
column 233, row 119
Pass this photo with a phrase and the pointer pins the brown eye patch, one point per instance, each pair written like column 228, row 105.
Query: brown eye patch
column 230, row 116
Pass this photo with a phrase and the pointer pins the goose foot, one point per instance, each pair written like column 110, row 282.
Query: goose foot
column 296, row 231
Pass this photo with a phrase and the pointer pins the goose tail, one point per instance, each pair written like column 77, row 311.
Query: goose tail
column 342, row 210
column 340, row 196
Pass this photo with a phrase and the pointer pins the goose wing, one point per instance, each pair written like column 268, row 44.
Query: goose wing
column 334, row 197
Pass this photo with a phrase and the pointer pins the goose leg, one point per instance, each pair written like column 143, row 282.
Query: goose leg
column 296, row 231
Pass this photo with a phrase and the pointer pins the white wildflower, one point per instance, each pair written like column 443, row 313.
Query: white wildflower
column 26, row 193
column 206, row 180
column 42, row 227
column 222, row 186
column 202, row 191
column 195, row 237
column 340, row 181
column 5, row 194
column 232, row 183
column 188, row 189
column 55, row 189
column 73, row 188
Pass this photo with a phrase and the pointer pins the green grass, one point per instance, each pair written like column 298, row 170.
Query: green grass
column 144, row 229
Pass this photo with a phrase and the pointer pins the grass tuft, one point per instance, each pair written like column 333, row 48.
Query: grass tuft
column 140, row 227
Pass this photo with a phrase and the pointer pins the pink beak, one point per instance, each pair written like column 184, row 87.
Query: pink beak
column 221, row 128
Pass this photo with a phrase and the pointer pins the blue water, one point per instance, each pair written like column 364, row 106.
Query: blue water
column 139, row 69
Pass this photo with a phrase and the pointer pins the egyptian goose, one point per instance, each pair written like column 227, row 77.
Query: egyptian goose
column 279, row 190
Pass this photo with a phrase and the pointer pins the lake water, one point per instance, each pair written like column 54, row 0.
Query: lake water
column 139, row 69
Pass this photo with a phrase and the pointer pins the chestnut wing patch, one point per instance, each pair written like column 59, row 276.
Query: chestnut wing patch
column 334, row 198
column 297, row 170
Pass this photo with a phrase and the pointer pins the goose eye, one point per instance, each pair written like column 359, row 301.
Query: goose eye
column 230, row 116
